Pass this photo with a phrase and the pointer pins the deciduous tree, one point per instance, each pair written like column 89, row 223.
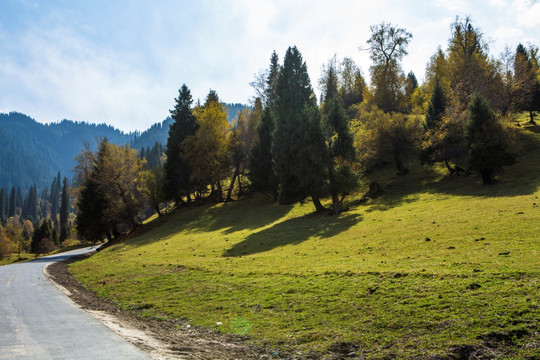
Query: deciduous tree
column 387, row 46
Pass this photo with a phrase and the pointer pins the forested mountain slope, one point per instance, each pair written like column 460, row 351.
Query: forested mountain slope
column 33, row 153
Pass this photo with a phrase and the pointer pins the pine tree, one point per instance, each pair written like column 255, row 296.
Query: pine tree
column 293, row 93
column 12, row 210
column 65, row 230
column 338, row 141
column 41, row 239
column 295, row 118
column 19, row 199
column 271, row 81
column 261, row 171
column 177, row 172
column 3, row 204
column 487, row 141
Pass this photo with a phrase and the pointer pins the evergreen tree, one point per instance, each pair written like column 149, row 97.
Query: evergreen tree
column 293, row 110
column 19, row 199
column 436, row 107
column 338, row 141
column 12, row 210
column 261, row 171
column 271, row 81
column 41, row 239
column 29, row 210
column 525, row 83
column 341, row 152
column 177, row 172
column 65, row 230
column 487, row 141
column 311, row 155
column 293, row 93
column 54, row 196
column 3, row 204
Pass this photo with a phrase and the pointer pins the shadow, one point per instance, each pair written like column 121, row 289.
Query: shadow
column 231, row 217
column 293, row 232
column 63, row 257
column 246, row 214
column 518, row 179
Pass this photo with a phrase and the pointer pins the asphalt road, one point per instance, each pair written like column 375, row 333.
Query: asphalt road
column 38, row 321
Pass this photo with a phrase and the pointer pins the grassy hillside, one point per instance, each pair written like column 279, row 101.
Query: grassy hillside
column 435, row 266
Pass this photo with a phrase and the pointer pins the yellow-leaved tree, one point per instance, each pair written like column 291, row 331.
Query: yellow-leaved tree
column 207, row 151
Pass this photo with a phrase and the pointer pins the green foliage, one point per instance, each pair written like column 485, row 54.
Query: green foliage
column 387, row 46
column 487, row 141
column 178, row 174
column 381, row 137
column 110, row 201
column 261, row 170
column 65, row 227
column 296, row 282
column 294, row 92
column 42, row 242
column 352, row 84
column 206, row 151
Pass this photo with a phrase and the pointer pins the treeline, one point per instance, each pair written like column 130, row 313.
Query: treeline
column 294, row 146
column 21, row 218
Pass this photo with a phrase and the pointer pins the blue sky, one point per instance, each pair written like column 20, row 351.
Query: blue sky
column 122, row 62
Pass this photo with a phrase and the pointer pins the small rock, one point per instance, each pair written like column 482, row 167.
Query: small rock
column 504, row 253
column 428, row 239
column 473, row 286
column 451, row 247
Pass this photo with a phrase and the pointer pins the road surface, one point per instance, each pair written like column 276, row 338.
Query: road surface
column 38, row 321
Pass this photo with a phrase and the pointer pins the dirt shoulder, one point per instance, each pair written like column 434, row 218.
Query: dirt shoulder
column 170, row 339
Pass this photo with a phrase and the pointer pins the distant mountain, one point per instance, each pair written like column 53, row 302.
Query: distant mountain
column 33, row 153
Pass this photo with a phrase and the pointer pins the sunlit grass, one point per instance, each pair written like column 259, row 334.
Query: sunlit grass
column 435, row 262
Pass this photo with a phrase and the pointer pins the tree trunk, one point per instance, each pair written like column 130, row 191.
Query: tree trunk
column 218, row 192
column 487, row 177
column 336, row 204
column 231, row 187
column 531, row 116
column 450, row 169
column 402, row 170
column 317, row 202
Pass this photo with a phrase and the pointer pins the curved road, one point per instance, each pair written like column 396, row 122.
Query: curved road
column 37, row 321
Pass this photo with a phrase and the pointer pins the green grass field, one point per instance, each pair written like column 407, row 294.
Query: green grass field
column 436, row 266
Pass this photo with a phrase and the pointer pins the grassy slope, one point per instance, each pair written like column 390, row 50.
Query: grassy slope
column 368, row 277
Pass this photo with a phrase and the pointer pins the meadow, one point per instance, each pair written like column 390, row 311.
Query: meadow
column 436, row 266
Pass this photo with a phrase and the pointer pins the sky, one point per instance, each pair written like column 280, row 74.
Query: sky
column 122, row 62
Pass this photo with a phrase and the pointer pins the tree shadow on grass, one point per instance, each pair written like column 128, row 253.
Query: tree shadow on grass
column 237, row 216
column 292, row 232
column 516, row 180
column 248, row 214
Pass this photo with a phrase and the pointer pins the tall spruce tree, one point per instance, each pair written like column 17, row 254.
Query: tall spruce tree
column 487, row 141
column 3, row 204
column 177, row 171
column 261, row 171
column 294, row 96
column 338, row 141
column 65, row 229
column 12, row 209
column 272, row 80
column 19, row 201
